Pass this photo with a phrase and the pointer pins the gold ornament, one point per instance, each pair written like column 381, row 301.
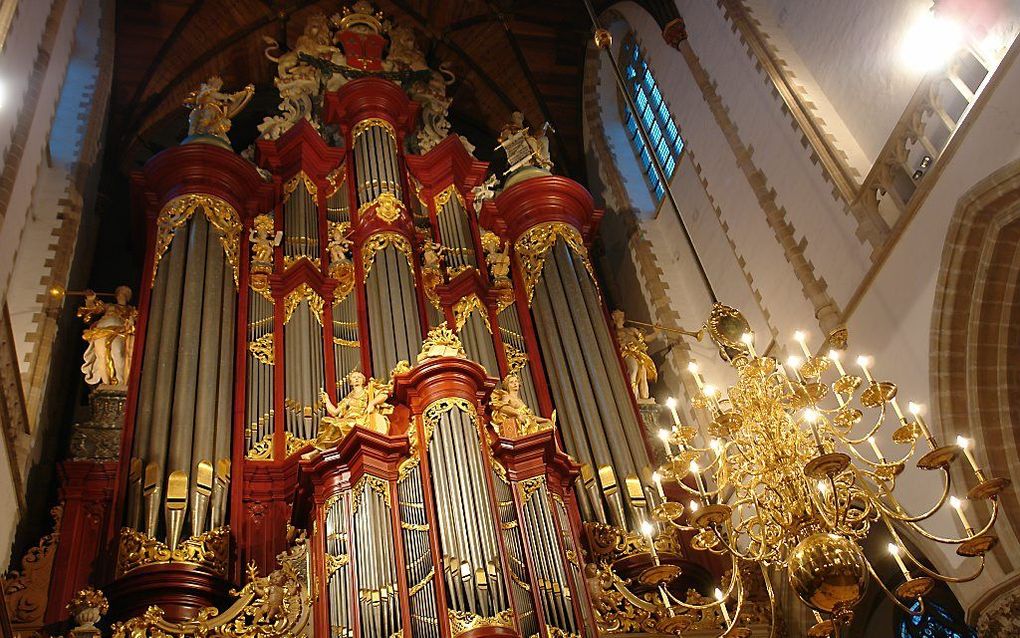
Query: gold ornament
column 209, row 550
column 292, row 184
column 828, row 572
column 382, row 240
column 262, row 348
column 441, row 342
column 179, row 210
column 464, row 621
column 534, row 245
column 303, row 292
column 465, row 306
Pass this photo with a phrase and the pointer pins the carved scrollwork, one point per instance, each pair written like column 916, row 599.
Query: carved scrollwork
column 178, row 211
column 262, row 348
column 435, row 411
column 534, row 245
column 209, row 550
column 464, row 621
column 303, row 292
column 382, row 240
column 26, row 590
column 465, row 306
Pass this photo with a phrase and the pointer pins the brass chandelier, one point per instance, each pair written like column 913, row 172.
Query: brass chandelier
column 789, row 475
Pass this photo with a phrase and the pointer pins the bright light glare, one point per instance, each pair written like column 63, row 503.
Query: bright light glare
column 930, row 42
column 834, row 355
column 894, row 549
column 718, row 594
column 914, row 408
column 710, row 390
column 647, row 529
column 656, row 478
column 664, row 435
column 794, row 361
column 671, row 403
column 955, row 502
column 864, row 361
column 693, row 367
column 694, row 506
column 747, row 338
column 963, row 442
column 799, row 336
column 810, row 415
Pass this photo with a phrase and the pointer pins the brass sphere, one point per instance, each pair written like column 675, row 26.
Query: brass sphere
column 828, row 572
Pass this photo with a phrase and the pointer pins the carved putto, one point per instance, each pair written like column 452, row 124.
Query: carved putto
column 111, row 338
column 441, row 342
column 483, row 192
column 212, row 109
column 339, row 245
column 364, row 406
column 633, row 343
column 263, row 237
column 511, row 416
column 523, row 146
column 497, row 256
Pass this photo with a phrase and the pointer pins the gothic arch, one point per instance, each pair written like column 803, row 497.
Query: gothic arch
column 975, row 343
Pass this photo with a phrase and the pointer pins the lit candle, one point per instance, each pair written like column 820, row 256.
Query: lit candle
column 722, row 606
column 878, row 452
column 794, row 362
column 748, row 340
column 671, row 404
column 958, row 506
column 894, row 549
column 664, row 437
column 834, row 357
column 801, row 338
column 818, row 616
column 696, row 471
column 965, row 445
column 864, row 362
column 649, row 531
column 916, row 410
column 710, row 392
column 896, row 409
column 692, row 367
column 693, row 506
column 657, row 479
column 811, row 416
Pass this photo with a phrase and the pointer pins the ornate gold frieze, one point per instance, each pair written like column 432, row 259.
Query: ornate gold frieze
column 292, row 184
column 387, row 207
column 290, row 260
column 262, row 348
column 448, row 192
column 364, row 485
column 465, row 306
column 27, row 590
column 295, row 444
column 435, row 411
column 382, row 240
column 464, row 621
column 515, row 359
column 529, row 486
column 179, row 210
column 273, row 606
column 335, row 180
column 262, row 450
column 368, row 123
column 441, row 342
column 209, row 550
column 303, row 292
column 334, row 563
column 534, row 245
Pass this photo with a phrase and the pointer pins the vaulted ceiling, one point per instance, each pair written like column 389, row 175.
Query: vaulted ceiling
column 526, row 55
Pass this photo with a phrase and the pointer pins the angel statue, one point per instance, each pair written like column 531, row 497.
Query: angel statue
column 482, row 193
column 523, row 146
column 263, row 238
column 496, row 256
column 339, row 243
column 212, row 109
column 511, row 416
column 364, row 406
column 633, row 344
column 111, row 338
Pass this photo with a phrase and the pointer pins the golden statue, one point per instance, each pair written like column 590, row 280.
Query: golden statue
column 111, row 338
column 211, row 109
column 633, row 343
column 511, row 416
column 364, row 406
column 263, row 238
column 523, row 146
column 496, row 256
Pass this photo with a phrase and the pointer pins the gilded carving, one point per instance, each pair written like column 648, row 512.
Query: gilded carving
column 178, row 211
column 26, row 590
column 87, row 607
column 295, row 444
column 368, row 123
column 511, row 416
column 210, row 550
column 366, row 484
column 263, row 237
column 633, row 345
column 382, row 240
column 435, row 411
column 263, row 449
column 111, row 338
column 212, row 109
column 273, row 606
column 464, row 621
column 465, row 306
column 262, row 348
column 534, row 245
column 303, row 292
column 364, row 406
column 340, row 266
column 292, row 184
column 445, row 196
column 387, row 207
column 441, row 342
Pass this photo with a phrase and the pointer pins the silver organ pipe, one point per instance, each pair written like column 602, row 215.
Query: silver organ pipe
column 303, row 367
column 516, row 349
column 301, row 221
column 337, row 564
column 259, row 362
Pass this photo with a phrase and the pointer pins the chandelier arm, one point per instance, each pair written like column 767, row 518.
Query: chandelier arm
column 733, row 550
column 891, row 596
column 874, row 429
column 729, row 589
column 901, row 515
column 921, row 566
column 956, row 541
column 772, row 599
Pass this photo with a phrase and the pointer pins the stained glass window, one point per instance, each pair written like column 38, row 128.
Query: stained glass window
column 657, row 121
column 935, row 622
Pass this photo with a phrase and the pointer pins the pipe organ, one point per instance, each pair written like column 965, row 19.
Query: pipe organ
column 349, row 345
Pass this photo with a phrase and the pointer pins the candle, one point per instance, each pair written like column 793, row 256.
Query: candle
column 834, row 357
column 692, row 367
column 710, row 391
column 664, row 437
column 896, row 409
column 801, row 338
column 818, row 616
column 965, row 445
column 958, row 506
column 795, row 362
column 657, row 479
column 864, row 361
column 874, row 446
column 671, row 404
column 693, row 506
column 895, row 551
column 811, row 416
column 696, row 471
column 748, row 340
column 722, row 605
column 649, row 531
column 916, row 410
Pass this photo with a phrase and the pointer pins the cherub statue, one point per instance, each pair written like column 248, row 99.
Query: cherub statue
column 111, row 338
column 263, row 239
column 433, row 255
column 339, row 244
column 313, row 42
column 212, row 109
column 483, row 192
column 270, row 597
column 634, row 352
column 511, row 416
column 496, row 256
column 364, row 406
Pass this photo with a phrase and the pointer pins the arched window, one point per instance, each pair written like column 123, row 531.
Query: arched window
column 654, row 114
column 935, row 622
